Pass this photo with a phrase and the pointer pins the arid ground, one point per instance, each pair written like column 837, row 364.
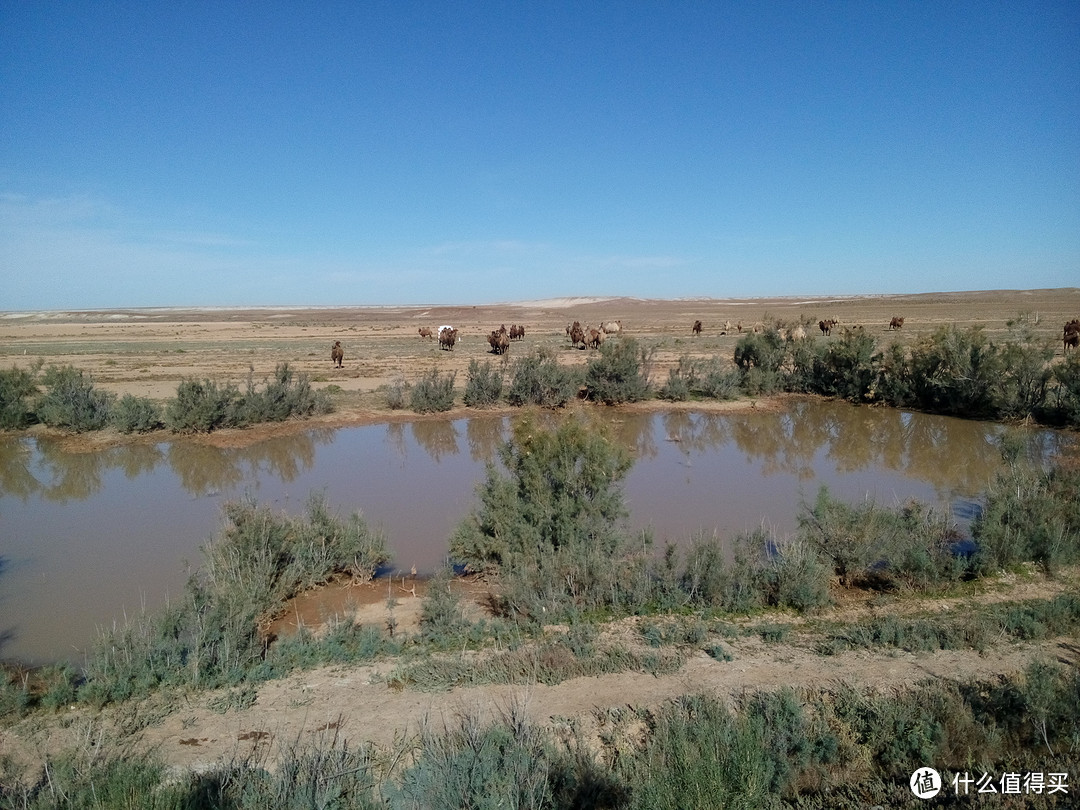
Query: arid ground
column 148, row 352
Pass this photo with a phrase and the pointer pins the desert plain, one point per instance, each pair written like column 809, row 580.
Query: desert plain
column 148, row 352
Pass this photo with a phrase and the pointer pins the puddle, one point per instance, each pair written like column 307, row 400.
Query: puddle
column 92, row 538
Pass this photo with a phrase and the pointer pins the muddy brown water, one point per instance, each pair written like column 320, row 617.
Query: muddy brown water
column 89, row 539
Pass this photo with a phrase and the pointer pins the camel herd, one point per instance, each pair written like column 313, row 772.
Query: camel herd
column 587, row 337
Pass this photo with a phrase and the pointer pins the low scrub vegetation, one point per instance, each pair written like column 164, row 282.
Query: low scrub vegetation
column 820, row 748
column 550, row 524
column 952, row 370
column 620, row 373
column 132, row 414
column 1030, row 514
column 483, row 385
column 213, row 636
column 432, row 393
column 70, row 400
column 539, row 379
column 17, row 387
column 64, row 397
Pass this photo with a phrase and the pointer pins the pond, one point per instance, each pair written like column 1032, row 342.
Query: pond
column 89, row 539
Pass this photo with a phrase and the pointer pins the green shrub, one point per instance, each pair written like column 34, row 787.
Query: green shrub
column 200, row 407
column 760, row 358
column 284, row 396
column 481, row 765
column 71, row 401
column 1025, row 375
column 1063, row 400
column 211, row 637
column 483, row 385
column 397, row 394
column 539, row 379
column 704, row 378
column 442, row 619
column 715, row 381
column 432, row 393
column 955, row 371
column 554, row 525
column 852, row 538
column 698, row 754
column 620, row 373
column 17, row 386
column 677, row 387
column 725, row 575
column 847, row 368
column 1029, row 515
column 132, row 414
column 795, row 577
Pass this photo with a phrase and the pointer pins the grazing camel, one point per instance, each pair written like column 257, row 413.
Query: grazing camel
column 577, row 335
column 1071, row 335
column 826, row 326
column 337, row 354
column 596, row 338
column 447, row 338
column 896, row 323
column 499, row 341
column 425, row 332
column 696, row 330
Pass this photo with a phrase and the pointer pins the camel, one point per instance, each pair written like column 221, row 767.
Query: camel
column 577, row 334
column 425, row 332
column 337, row 354
column 499, row 341
column 1071, row 335
column 826, row 327
column 696, row 330
column 447, row 338
column 611, row 327
column 896, row 323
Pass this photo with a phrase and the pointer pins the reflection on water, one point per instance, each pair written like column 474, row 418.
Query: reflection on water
column 86, row 537
column 42, row 469
column 437, row 436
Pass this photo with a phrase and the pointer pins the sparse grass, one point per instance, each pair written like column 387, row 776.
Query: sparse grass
column 975, row 628
column 549, row 661
column 814, row 748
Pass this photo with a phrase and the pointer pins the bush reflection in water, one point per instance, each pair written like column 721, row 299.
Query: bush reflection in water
column 111, row 529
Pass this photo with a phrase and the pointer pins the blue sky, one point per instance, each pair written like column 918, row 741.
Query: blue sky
column 222, row 153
